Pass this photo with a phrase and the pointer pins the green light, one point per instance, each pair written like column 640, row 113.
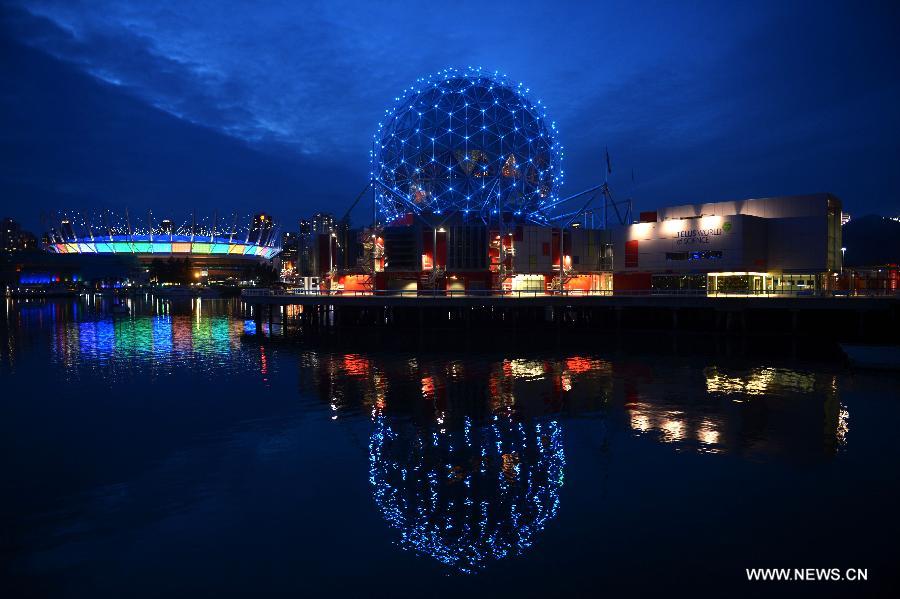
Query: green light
column 201, row 248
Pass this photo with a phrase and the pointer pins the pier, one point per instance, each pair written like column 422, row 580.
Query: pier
column 841, row 318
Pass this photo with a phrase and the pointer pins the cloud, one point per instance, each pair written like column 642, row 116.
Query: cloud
column 69, row 141
column 718, row 99
column 279, row 88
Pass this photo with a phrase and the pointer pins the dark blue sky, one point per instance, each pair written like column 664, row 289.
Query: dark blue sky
column 245, row 105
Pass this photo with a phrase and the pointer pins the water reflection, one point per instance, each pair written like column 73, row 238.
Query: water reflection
column 467, row 495
column 758, row 381
column 466, row 454
column 467, row 459
column 760, row 411
column 84, row 336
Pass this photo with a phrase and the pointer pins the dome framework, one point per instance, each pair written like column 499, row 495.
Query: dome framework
column 467, row 141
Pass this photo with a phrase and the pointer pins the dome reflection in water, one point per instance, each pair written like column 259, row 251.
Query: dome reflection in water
column 463, row 493
column 466, row 458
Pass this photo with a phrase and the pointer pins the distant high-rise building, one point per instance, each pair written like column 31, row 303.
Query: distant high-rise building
column 14, row 239
column 289, row 254
column 845, row 218
column 262, row 229
column 166, row 227
column 311, row 258
column 322, row 222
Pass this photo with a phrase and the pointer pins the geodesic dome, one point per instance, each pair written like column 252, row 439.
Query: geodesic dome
column 467, row 141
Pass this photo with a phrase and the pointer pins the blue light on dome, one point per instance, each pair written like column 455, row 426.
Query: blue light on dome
column 469, row 141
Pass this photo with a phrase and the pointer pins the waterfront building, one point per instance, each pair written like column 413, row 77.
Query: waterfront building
column 461, row 255
column 789, row 244
column 466, row 178
column 766, row 245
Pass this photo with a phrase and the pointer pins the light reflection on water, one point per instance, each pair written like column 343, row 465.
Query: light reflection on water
column 467, row 454
column 469, row 495
column 725, row 416
column 426, row 411
column 153, row 344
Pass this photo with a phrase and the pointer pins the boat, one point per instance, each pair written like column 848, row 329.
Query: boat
column 885, row 357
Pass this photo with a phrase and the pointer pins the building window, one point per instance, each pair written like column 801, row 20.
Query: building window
column 678, row 282
column 632, row 252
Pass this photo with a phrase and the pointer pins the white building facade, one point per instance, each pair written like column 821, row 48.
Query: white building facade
column 766, row 245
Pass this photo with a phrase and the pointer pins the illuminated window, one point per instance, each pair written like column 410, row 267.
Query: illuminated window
column 707, row 255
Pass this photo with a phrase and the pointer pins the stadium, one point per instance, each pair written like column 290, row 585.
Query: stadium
column 206, row 249
column 207, row 239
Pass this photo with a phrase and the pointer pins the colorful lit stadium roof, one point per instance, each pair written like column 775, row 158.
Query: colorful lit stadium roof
column 108, row 233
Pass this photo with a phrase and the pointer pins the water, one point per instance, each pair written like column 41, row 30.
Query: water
column 184, row 450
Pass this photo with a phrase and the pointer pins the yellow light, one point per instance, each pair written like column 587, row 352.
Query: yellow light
column 640, row 422
column 672, row 430
column 640, row 230
column 708, row 222
column 672, row 226
column 707, row 432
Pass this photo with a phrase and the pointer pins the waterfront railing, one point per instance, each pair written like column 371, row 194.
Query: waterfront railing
column 478, row 293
